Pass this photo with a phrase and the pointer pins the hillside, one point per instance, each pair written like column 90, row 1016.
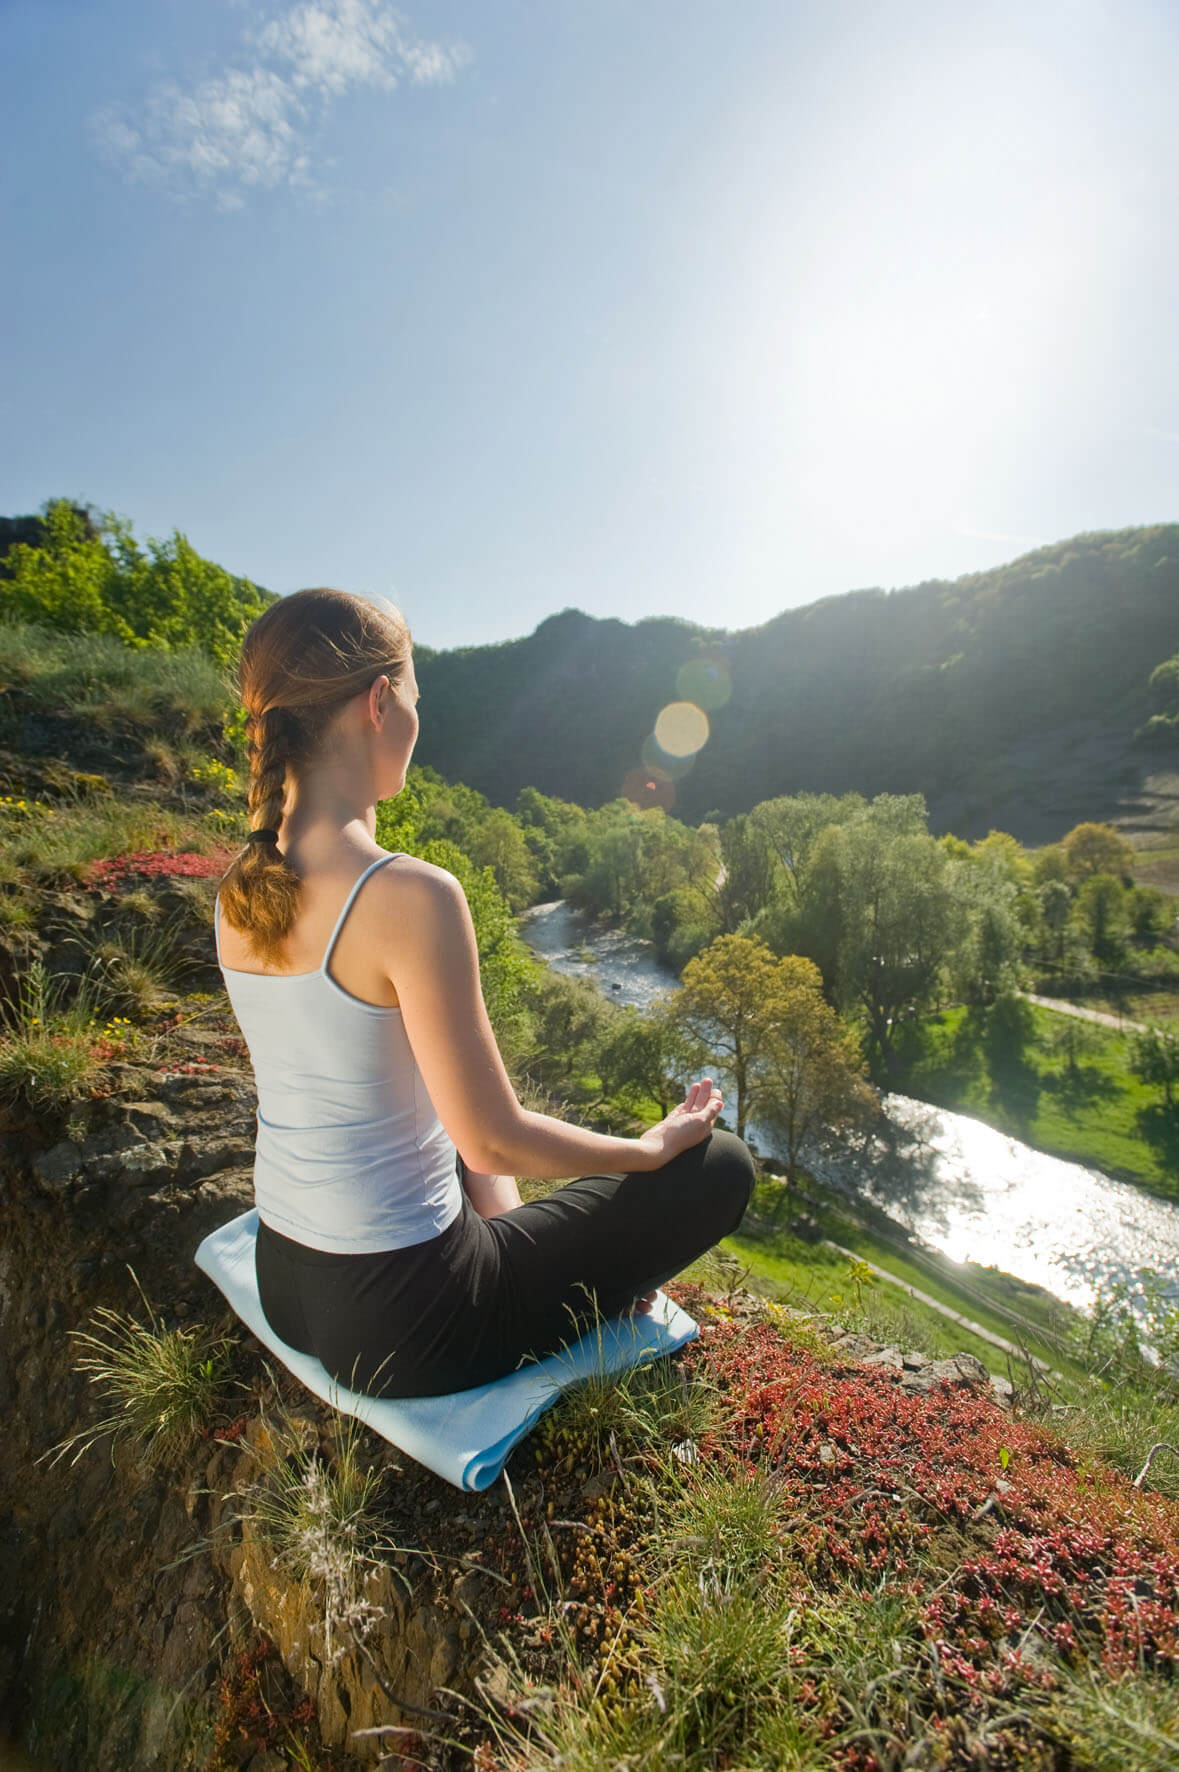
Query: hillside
column 805, row 1543
column 1010, row 698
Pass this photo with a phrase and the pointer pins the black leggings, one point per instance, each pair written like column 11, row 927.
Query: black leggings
column 476, row 1302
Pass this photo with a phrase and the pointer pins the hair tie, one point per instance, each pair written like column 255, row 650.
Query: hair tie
column 262, row 836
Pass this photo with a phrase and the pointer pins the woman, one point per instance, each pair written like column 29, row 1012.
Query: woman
column 393, row 1244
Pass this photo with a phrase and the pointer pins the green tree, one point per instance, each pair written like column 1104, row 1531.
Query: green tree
column 901, row 918
column 641, row 1059
column 811, row 1072
column 681, row 924
column 1009, row 1028
column 1154, row 1056
column 1006, row 855
column 634, row 857
column 1101, row 907
column 1051, row 863
column 792, row 825
column 498, row 842
column 568, row 1021
column 985, row 960
column 67, row 582
column 1072, row 1038
column 745, row 881
column 1056, row 906
column 1163, row 685
column 733, row 995
column 83, row 580
column 555, row 833
column 1151, row 913
column 1096, row 849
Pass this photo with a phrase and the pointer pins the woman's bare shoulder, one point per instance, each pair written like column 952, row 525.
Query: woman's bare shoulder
column 412, row 884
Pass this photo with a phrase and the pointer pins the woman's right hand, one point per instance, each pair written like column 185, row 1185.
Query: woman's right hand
column 688, row 1124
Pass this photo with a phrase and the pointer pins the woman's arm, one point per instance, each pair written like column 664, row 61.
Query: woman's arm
column 491, row 1194
column 434, row 965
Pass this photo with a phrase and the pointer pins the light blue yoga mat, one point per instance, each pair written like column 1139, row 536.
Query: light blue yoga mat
column 465, row 1437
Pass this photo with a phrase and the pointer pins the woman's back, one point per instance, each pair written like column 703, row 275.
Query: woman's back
column 357, row 963
column 351, row 1156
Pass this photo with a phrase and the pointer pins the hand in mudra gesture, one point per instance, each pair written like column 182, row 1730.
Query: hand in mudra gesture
column 688, row 1124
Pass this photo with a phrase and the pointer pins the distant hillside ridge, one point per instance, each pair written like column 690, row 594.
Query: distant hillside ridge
column 1008, row 698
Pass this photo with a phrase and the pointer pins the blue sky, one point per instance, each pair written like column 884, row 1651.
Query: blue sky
column 698, row 309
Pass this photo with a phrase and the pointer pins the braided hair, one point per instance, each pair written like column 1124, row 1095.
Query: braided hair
column 304, row 658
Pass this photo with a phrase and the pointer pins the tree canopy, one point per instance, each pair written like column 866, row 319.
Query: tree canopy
column 83, row 577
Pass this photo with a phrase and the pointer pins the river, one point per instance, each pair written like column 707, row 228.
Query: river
column 964, row 1188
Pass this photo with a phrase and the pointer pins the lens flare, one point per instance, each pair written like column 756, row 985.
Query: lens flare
column 681, row 729
column 647, row 789
column 660, row 763
column 706, row 681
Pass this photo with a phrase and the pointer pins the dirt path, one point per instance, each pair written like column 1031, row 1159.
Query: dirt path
column 1120, row 1023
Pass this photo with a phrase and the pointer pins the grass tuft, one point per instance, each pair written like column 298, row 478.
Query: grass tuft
column 162, row 1387
column 320, row 1517
column 141, row 970
column 1127, row 1725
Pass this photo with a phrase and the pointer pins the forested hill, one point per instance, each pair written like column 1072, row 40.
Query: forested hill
column 1009, row 697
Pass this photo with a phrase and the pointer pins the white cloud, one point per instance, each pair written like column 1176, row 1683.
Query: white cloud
column 248, row 128
column 335, row 44
column 430, row 64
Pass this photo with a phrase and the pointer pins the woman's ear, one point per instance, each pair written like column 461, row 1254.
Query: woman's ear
column 376, row 699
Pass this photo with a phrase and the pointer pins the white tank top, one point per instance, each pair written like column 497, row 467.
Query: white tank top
column 350, row 1155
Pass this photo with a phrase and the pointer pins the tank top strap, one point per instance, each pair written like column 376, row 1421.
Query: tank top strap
column 348, row 902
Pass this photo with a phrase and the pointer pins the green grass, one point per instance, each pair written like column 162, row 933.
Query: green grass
column 47, row 1049
column 987, row 1294
column 819, row 1278
column 629, row 1412
column 139, row 970
column 1095, row 1112
column 162, row 1387
column 1110, row 1726
column 96, row 678
column 812, row 1277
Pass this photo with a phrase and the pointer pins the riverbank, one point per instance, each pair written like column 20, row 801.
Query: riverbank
column 1084, row 1106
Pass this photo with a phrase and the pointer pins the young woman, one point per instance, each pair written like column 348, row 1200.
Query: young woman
column 393, row 1244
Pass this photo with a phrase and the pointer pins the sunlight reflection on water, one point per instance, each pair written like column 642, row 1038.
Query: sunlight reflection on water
column 980, row 1195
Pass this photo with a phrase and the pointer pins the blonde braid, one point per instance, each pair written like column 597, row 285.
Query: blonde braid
column 269, row 735
column 260, row 891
